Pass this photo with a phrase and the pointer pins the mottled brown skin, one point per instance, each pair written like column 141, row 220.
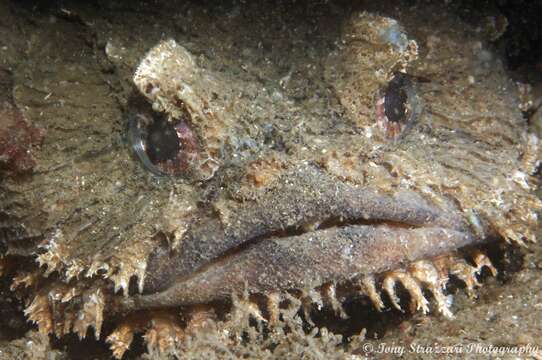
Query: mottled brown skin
column 17, row 137
column 305, row 188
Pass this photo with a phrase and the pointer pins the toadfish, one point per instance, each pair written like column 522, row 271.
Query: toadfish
column 391, row 168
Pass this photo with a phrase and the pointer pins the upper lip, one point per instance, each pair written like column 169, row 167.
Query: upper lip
column 306, row 205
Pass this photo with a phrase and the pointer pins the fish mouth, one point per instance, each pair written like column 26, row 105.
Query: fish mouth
column 310, row 228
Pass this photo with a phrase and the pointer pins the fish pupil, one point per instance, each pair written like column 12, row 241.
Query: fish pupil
column 395, row 99
column 162, row 143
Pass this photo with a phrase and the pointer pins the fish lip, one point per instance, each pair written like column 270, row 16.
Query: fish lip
column 285, row 212
column 254, row 267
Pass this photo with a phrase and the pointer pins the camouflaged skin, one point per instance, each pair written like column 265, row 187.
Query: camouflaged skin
column 298, row 188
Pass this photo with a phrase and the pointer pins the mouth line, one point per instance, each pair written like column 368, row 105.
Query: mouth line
column 298, row 231
column 313, row 230
column 305, row 229
column 286, row 212
column 341, row 233
column 337, row 252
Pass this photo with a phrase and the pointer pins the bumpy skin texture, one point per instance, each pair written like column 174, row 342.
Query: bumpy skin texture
column 297, row 184
column 17, row 136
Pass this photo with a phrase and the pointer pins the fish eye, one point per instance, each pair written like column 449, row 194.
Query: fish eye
column 397, row 106
column 165, row 147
